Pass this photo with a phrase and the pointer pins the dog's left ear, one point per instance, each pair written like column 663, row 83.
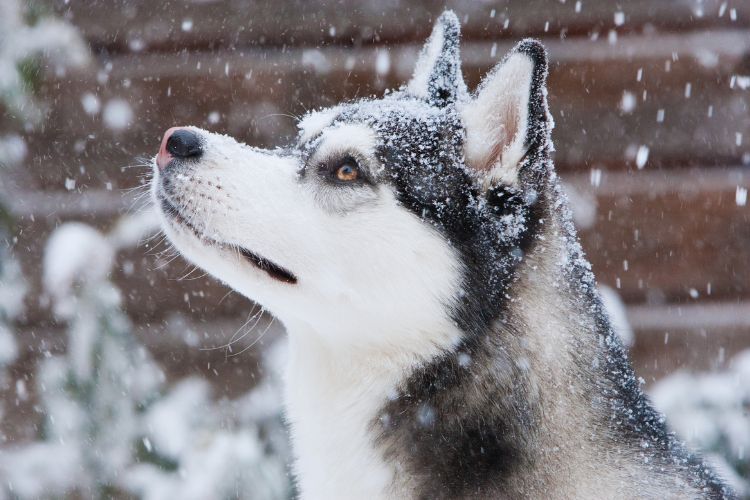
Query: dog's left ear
column 507, row 120
column 437, row 76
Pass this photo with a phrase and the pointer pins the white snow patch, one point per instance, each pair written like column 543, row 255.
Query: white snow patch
column 709, row 411
column 118, row 114
column 628, row 102
column 75, row 253
column 13, row 149
column 8, row 346
column 617, row 312
column 596, row 177
column 382, row 62
column 91, row 104
column 317, row 60
column 641, row 156
column 707, row 58
column 131, row 230
column 136, row 44
column 743, row 82
column 37, row 469
column 612, row 37
column 314, row 122
column 582, row 204
column 740, row 196
column 172, row 419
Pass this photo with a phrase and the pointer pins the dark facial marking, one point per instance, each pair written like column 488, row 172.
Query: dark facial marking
column 432, row 425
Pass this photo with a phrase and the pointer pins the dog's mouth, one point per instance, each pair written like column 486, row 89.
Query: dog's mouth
column 273, row 270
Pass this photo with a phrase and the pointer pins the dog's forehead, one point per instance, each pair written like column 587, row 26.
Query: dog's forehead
column 390, row 118
column 393, row 114
column 313, row 123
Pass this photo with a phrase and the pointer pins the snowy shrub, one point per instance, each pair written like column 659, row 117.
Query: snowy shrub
column 12, row 292
column 711, row 411
column 31, row 41
column 27, row 36
column 111, row 426
column 195, row 453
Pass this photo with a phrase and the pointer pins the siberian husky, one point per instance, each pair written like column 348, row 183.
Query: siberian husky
column 446, row 336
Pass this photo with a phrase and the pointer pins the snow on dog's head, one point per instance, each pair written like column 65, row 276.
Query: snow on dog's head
column 397, row 213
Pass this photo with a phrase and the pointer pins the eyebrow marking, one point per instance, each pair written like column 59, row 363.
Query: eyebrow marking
column 353, row 137
column 314, row 122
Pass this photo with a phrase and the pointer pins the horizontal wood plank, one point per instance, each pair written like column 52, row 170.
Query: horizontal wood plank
column 683, row 101
column 126, row 25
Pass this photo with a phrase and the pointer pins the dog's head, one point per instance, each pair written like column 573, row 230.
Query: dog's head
column 395, row 213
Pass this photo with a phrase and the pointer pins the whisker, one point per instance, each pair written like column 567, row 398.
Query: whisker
column 257, row 317
column 224, row 297
column 233, row 339
column 273, row 318
column 186, row 276
column 286, row 115
column 165, row 264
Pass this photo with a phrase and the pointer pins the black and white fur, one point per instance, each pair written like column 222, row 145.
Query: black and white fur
column 447, row 339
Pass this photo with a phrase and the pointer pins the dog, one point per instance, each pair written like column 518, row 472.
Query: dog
column 447, row 339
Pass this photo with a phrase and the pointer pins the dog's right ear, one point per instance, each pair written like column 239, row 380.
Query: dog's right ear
column 507, row 120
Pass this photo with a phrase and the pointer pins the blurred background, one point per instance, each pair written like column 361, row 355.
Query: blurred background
column 127, row 373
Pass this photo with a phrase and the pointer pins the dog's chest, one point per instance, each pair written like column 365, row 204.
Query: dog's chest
column 331, row 408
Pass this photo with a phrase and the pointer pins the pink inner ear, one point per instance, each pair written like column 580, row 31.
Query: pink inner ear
column 492, row 158
column 505, row 136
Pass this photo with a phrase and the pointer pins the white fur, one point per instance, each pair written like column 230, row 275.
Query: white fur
column 314, row 122
column 344, row 138
column 432, row 50
column 496, row 121
column 363, row 311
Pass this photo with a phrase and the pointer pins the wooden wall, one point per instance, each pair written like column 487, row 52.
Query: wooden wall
column 670, row 76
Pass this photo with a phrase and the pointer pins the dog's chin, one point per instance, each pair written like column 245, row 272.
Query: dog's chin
column 188, row 238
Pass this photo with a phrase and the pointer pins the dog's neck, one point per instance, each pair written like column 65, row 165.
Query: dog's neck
column 397, row 421
column 333, row 397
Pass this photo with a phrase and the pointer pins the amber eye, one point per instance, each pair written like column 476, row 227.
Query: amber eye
column 348, row 170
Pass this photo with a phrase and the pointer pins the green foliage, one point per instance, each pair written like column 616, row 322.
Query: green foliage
column 34, row 11
column 30, row 71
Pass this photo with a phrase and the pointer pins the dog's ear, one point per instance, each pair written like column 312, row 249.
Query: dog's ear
column 507, row 120
column 437, row 75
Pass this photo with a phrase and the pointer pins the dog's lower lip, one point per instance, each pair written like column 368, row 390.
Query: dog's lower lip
column 273, row 270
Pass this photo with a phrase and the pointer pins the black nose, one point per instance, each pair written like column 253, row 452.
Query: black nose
column 184, row 143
